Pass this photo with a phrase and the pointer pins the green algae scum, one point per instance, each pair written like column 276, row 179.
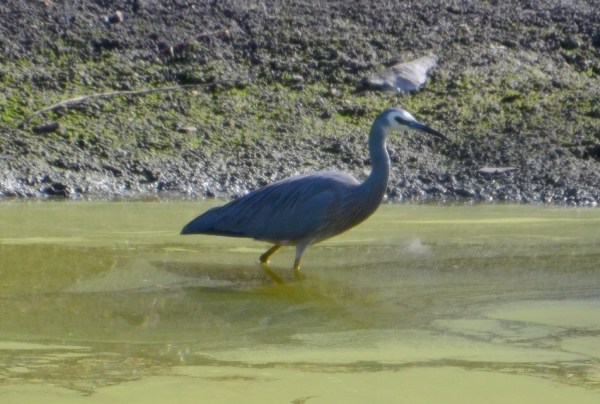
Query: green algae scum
column 104, row 302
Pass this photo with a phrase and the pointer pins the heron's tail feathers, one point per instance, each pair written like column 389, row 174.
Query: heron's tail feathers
column 208, row 223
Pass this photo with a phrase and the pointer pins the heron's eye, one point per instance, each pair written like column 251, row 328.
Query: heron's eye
column 400, row 120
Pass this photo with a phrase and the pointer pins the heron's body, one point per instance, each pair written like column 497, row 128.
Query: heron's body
column 309, row 208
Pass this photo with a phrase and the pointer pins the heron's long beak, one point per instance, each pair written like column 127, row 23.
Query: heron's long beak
column 419, row 126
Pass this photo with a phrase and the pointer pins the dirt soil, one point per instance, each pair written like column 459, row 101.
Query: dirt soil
column 279, row 93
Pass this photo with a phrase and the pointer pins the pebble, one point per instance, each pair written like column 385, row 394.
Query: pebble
column 116, row 18
column 46, row 127
column 57, row 189
column 495, row 170
column 187, row 129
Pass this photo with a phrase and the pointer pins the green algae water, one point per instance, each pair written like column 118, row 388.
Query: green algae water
column 103, row 302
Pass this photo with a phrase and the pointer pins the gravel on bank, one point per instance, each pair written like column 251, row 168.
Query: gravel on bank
column 517, row 85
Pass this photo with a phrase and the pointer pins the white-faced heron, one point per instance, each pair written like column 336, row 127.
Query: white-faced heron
column 309, row 208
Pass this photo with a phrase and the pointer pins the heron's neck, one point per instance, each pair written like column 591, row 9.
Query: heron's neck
column 376, row 184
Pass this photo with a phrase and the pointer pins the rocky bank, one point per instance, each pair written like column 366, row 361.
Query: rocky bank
column 279, row 92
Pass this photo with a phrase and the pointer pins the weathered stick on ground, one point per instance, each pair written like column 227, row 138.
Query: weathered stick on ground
column 76, row 100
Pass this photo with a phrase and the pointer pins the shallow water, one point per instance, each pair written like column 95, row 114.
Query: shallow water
column 105, row 302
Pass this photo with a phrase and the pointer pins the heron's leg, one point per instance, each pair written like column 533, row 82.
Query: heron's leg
column 265, row 257
column 297, row 269
column 299, row 251
column 272, row 274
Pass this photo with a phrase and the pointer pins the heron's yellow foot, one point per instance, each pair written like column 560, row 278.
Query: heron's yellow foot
column 265, row 257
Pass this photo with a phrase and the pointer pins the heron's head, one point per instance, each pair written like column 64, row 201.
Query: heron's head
column 397, row 119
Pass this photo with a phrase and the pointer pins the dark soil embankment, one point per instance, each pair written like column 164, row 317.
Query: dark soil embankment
column 517, row 85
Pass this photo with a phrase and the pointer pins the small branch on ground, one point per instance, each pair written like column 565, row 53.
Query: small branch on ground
column 76, row 100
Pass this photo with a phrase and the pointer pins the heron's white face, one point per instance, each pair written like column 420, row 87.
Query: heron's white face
column 399, row 119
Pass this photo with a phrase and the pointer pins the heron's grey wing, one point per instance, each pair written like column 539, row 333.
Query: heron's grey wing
column 286, row 210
